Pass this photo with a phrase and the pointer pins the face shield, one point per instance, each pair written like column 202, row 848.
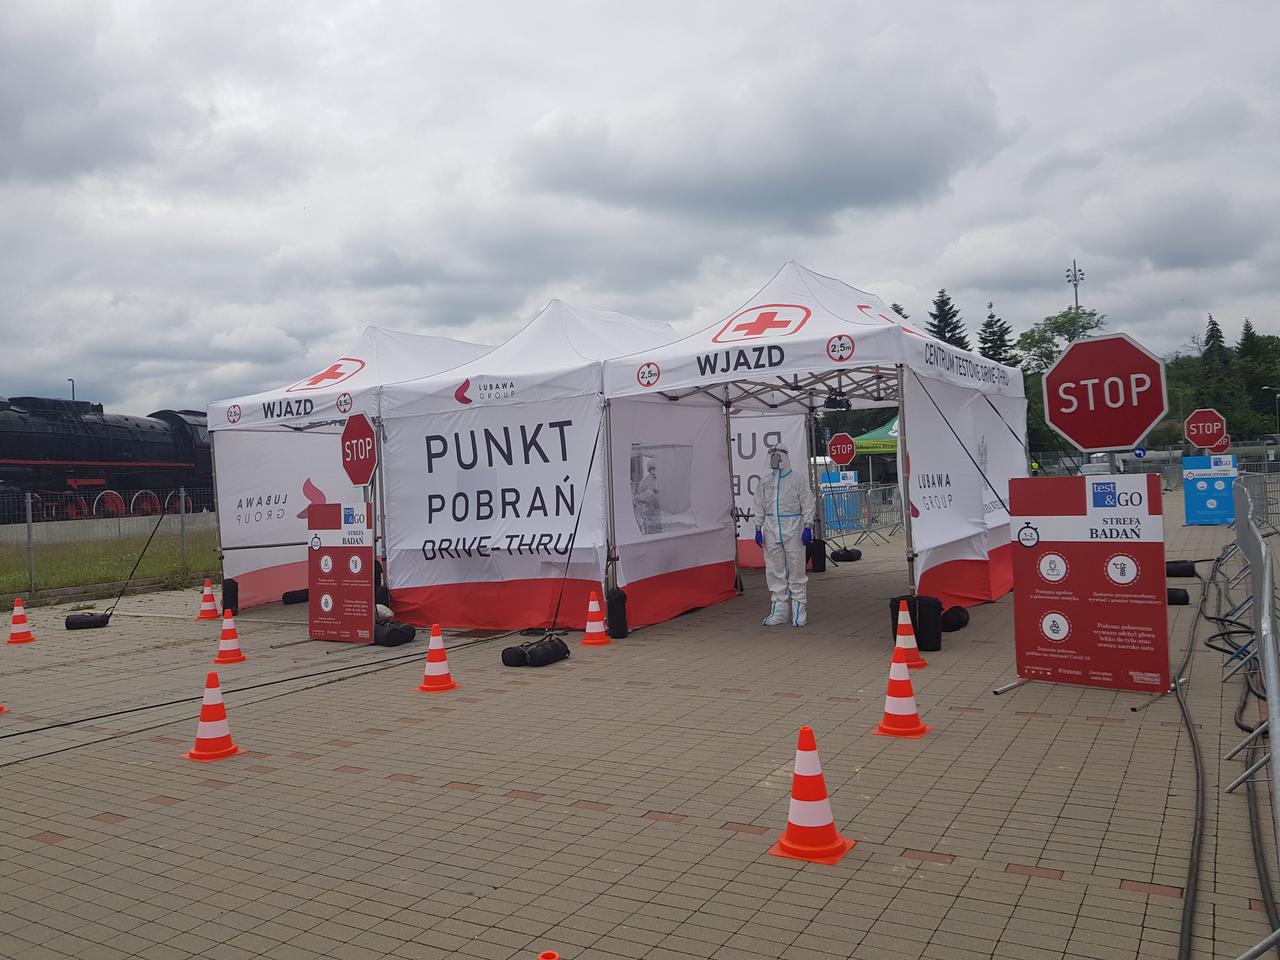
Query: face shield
column 778, row 460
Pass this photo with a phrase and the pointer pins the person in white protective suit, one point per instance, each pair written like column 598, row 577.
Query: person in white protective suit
column 784, row 508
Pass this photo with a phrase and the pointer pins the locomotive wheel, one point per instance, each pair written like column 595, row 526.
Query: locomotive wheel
column 108, row 504
column 172, row 503
column 144, row 504
column 75, row 508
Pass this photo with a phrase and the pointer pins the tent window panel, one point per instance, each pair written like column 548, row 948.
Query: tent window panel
column 661, row 480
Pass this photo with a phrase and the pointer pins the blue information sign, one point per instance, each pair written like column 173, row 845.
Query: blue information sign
column 1206, row 484
column 1140, row 452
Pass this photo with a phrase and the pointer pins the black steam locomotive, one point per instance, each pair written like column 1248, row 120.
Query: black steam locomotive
column 79, row 462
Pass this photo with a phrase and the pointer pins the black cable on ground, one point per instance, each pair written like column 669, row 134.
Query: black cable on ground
column 387, row 661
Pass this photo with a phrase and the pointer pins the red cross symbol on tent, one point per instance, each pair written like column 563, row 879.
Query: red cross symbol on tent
column 765, row 320
column 342, row 369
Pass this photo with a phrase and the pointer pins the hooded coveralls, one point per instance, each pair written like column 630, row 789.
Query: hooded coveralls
column 784, row 506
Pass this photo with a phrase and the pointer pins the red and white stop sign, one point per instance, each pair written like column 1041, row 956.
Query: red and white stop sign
column 359, row 452
column 1105, row 393
column 841, row 449
column 1205, row 428
column 1222, row 446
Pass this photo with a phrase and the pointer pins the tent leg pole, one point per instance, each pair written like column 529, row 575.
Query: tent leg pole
column 733, row 500
column 819, row 527
column 379, row 492
column 610, row 548
column 904, row 481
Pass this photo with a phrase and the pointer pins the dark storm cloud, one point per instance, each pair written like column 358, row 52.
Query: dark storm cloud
column 791, row 150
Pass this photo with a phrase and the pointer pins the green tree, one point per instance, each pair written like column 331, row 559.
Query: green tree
column 945, row 322
column 1258, row 359
column 1045, row 341
column 899, row 310
column 995, row 339
column 1220, row 384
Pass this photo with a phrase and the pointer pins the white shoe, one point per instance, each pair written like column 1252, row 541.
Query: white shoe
column 800, row 615
column 777, row 615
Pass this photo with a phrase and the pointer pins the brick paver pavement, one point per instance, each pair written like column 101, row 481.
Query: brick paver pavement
column 616, row 805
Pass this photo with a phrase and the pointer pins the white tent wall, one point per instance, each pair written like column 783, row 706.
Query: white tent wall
column 752, row 436
column 483, row 505
column 266, row 480
column 672, row 522
column 959, row 528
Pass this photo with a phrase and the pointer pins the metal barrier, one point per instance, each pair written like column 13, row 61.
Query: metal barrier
column 873, row 511
column 1258, row 568
column 83, row 538
column 1264, row 498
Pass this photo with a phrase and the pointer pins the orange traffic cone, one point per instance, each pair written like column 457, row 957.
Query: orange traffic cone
column 435, row 678
column 901, row 718
column 595, row 636
column 213, row 735
column 19, row 630
column 811, row 828
column 208, row 608
column 907, row 637
column 229, row 643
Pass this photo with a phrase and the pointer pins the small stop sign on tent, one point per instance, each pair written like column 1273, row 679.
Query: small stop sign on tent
column 841, row 449
column 359, row 452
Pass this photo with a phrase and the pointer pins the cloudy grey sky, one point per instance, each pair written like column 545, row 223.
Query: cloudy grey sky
column 203, row 199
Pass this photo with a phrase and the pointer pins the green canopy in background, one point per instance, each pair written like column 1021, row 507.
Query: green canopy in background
column 880, row 440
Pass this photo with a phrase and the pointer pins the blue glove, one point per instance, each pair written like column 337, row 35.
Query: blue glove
column 759, row 538
column 807, row 537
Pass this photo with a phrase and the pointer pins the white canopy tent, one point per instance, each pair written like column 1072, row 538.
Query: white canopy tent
column 494, row 476
column 277, row 452
column 805, row 341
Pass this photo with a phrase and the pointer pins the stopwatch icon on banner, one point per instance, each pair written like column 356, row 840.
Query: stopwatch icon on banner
column 1028, row 536
column 315, row 542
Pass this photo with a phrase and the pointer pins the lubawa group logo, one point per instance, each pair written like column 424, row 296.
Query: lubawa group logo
column 768, row 320
column 487, row 390
column 342, row 369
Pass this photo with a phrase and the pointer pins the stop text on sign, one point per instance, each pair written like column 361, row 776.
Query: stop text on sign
column 359, row 449
column 1114, row 393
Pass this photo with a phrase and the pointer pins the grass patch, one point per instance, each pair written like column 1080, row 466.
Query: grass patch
column 109, row 561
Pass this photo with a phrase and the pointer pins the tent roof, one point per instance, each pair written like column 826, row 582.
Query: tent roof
column 883, row 439
column 802, row 337
column 559, row 353
column 379, row 357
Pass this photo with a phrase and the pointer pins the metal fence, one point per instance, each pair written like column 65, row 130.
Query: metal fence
column 76, row 539
column 871, row 510
column 1264, row 497
column 1256, row 569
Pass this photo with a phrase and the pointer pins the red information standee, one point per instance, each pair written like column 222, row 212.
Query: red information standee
column 1089, row 581
column 340, row 572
